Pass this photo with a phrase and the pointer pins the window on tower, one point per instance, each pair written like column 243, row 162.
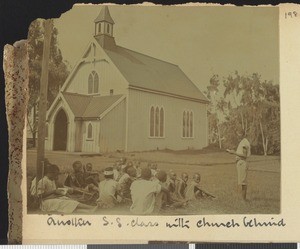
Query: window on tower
column 108, row 28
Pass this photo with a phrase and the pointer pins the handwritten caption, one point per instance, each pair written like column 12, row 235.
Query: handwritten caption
column 174, row 223
column 291, row 14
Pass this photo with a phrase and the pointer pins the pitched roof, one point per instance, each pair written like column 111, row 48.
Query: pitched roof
column 77, row 102
column 147, row 72
column 99, row 104
column 85, row 106
column 104, row 15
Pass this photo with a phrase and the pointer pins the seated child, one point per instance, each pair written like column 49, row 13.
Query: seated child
column 76, row 179
column 32, row 189
column 137, row 166
column 163, row 198
column 85, row 188
column 172, row 181
column 88, row 167
column 153, row 168
column 181, row 186
column 32, row 198
column 54, row 199
column 169, row 198
column 143, row 193
column 117, row 171
column 123, row 162
column 91, row 177
column 125, row 183
column 125, row 167
column 194, row 191
column 108, row 190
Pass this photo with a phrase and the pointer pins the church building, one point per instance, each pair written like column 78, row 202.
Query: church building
column 119, row 99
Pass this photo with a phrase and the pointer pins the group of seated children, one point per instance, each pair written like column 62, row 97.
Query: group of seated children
column 54, row 199
column 147, row 189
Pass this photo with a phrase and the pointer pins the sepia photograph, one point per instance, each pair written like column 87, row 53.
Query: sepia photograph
column 154, row 110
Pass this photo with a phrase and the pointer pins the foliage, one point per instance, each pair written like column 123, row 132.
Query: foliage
column 248, row 106
column 58, row 69
column 215, row 110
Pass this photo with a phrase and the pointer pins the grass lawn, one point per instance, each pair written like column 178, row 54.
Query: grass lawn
column 218, row 176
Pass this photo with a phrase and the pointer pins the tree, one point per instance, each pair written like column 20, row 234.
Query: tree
column 246, row 103
column 254, row 104
column 216, row 110
column 58, row 70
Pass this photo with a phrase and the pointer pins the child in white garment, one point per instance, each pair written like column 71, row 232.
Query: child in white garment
column 143, row 193
column 108, row 190
column 54, row 199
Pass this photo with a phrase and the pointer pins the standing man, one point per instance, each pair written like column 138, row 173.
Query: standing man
column 242, row 152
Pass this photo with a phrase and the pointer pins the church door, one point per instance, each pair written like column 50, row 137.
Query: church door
column 60, row 131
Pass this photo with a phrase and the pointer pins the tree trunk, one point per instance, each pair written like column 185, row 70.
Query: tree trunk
column 219, row 135
column 266, row 146
column 218, row 129
column 246, row 126
column 34, row 126
column 264, row 140
column 43, row 101
column 243, row 125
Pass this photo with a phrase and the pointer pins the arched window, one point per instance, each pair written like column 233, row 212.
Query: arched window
column 90, row 86
column 191, row 124
column 96, row 83
column 90, row 131
column 183, row 124
column 152, row 122
column 187, row 129
column 157, row 121
column 161, row 122
column 93, row 83
column 188, row 124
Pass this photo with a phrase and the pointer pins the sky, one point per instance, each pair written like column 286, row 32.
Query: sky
column 202, row 41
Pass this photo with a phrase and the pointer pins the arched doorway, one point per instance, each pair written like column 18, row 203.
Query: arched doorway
column 60, row 131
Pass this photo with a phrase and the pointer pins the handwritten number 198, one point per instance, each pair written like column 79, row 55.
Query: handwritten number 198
column 291, row 14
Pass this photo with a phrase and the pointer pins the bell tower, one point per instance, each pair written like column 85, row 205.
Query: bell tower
column 104, row 29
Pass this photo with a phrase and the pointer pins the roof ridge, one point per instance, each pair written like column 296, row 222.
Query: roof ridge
column 77, row 94
column 101, row 96
column 146, row 55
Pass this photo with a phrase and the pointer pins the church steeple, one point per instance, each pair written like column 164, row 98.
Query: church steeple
column 104, row 29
